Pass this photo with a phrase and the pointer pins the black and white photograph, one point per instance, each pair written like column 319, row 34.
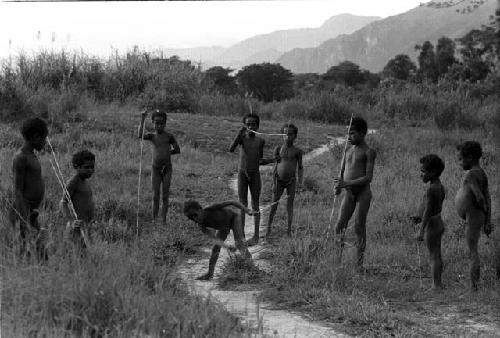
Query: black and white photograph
column 257, row 169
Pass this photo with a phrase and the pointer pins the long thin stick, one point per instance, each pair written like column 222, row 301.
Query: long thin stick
column 342, row 163
column 419, row 266
column 139, row 181
column 62, row 183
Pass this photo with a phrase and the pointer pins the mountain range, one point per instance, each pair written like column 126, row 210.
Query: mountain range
column 368, row 41
column 269, row 47
column 372, row 46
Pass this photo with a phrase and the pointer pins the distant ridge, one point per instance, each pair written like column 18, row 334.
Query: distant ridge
column 374, row 45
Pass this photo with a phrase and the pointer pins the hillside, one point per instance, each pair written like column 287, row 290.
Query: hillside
column 269, row 47
column 375, row 44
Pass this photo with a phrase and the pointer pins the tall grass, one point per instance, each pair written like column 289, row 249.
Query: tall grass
column 125, row 286
column 57, row 85
column 306, row 277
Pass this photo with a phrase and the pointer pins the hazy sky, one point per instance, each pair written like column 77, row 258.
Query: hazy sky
column 95, row 27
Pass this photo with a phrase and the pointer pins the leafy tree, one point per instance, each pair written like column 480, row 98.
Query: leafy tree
column 219, row 79
column 427, row 62
column 400, row 67
column 266, row 81
column 445, row 55
column 306, row 81
column 347, row 73
column 479, row 52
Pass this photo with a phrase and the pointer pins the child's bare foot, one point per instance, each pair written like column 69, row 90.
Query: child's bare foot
column 253, row 241
column 206, row 276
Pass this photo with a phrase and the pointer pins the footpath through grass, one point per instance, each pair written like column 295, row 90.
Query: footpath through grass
column 387, row 299
column 125, row 287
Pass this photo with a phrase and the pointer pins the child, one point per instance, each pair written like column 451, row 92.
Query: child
column 355, row 178
column 430, row 214
column 29, row 187
column 164, row 145
column 80, row 193
column 251, row 156
column 222, row 219
column 288, row 159
column 473, row 203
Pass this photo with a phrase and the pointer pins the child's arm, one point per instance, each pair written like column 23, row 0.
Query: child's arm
column 175, row 146
column 488, row 227
column 237, row 139
column 430, row 201
column 71, row 188
column 19, row 169
column 262, row 160
column 230, row 203
column 471, row 182
column 300, row 167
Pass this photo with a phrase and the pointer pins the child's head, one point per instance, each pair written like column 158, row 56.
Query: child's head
column 358, row 130
column 290, row 130
column 35, row 132
column 431, row 167
column 84, row 163
column 159, row 119
column 469, row 154
column 251, row 121
column 193, row 210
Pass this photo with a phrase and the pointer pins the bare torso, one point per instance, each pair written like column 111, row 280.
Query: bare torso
column 287, row 166
column 161, row 149
column 465, row 201
column 82, row 198
column 218, row 219
column 33, row 189
column 250, row 153
column 355, row 166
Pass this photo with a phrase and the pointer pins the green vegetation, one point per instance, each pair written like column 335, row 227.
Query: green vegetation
column 126, row 285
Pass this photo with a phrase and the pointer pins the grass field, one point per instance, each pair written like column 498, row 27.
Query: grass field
column 126, row 286
column 388, row 298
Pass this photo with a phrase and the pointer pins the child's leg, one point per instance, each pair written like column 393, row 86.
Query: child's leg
column 346, row 210
column 277, row 193
column 243, row 195
column 255, row 187
column 433, row 236
column 166, row 179
column 155, row 183
column 474, row 221
column 239, row 240
column 222, row 235
column 364, row 199
column 290, row 191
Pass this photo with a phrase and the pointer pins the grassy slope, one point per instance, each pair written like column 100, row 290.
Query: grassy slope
column 126, row 286
column 388, row 299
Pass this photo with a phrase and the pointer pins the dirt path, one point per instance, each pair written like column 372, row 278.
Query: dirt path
column 259, row 317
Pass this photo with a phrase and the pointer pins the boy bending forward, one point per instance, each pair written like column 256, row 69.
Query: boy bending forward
column 219, row 217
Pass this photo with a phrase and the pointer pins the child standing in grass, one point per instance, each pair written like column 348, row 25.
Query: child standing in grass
column 29, row 187
column 80, row 193
column 219, row 217
column 432, row 228
column 164, row 145
column 473, row 203
column 355, row 178
column 251, row 156
column 288, row 162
